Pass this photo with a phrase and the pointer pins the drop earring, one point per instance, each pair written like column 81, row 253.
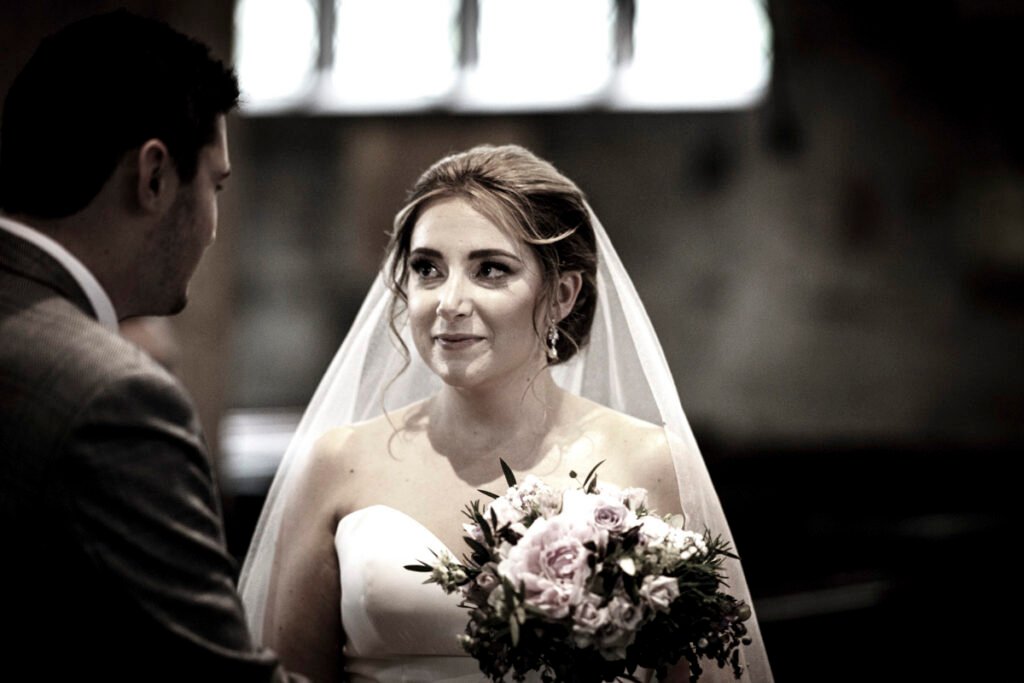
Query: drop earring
column 552, row 339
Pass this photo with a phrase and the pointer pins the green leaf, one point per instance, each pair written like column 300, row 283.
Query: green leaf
column 593, row 471
column 488, row 493
column 509, row 476
column 477, row 547
column 421, row 567
column 488, row 534
column 513, row 629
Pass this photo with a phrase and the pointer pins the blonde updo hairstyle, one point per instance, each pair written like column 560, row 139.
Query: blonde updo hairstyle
column 530, row 200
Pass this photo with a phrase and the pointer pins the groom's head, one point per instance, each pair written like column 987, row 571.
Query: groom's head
column 113, row 142
column 96, row 90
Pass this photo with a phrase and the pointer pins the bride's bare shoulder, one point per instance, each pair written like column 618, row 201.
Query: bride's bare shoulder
column 635, row 452
column 346, row 459
column 616, row 429
column 351, row 443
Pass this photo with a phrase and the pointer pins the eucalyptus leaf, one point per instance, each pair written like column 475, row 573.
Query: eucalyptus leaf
column 509, row 476
column 591, row 475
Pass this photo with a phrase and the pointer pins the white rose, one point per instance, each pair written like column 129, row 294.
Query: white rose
column 659, row 592
column 505, row 511
column 474, row 532
column 653, row 529
column 634, row 498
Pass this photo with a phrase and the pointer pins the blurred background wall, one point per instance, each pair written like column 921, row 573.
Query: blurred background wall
column 836, row 275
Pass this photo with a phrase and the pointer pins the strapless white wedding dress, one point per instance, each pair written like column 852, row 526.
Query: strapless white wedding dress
column 397, row 628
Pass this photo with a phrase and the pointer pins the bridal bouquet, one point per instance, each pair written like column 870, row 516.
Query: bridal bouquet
column 588, row 584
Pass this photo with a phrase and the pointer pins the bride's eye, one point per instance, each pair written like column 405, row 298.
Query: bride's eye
column 494, row 270
column 424, row 268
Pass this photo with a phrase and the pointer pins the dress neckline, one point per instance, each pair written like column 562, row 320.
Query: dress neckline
column 394, row 512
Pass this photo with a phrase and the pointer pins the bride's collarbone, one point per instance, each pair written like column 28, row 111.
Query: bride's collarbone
column 400, row 466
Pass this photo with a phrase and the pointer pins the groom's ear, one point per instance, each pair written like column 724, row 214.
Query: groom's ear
column 566, row 291
column 157, row 181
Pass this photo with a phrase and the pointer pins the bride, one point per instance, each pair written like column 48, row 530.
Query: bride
column 531, row 346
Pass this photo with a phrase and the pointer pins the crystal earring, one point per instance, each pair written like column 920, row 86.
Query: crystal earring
column 552, row 347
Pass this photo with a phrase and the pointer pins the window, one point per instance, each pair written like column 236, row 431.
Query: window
column 356, row 56
column 276, row 50
column 540, row 54
column 394, row 54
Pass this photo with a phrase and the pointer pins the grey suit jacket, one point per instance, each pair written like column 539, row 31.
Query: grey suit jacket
column 112, row 557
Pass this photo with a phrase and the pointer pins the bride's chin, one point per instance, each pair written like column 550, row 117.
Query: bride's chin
column 458, row 374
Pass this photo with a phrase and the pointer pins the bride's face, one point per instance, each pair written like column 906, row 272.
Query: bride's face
column 472, row 294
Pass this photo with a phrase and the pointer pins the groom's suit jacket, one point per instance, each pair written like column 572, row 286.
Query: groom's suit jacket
column 112, row 557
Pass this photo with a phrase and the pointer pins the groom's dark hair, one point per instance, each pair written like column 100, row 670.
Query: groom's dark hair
column 95, row 90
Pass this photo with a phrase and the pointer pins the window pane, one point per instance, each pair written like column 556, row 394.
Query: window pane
column 541, row 53
column 698, row 53
column 276, row 48
column 397, row 53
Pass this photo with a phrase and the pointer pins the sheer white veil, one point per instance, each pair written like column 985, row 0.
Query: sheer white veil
column 623, row 367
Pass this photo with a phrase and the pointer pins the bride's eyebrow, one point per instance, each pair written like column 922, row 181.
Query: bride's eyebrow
column 424, row 251
column 491, row 253
column 475, row 255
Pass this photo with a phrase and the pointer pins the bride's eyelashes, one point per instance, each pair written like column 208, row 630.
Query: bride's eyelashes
column 494, row 271
column 425, row 269
column 490, row 272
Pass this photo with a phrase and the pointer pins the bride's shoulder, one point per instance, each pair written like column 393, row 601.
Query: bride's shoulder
column 616, row 429
column 344, row 458
column 635, row 452
column 354, row 441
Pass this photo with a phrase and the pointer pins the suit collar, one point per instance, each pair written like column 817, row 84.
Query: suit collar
column 31, row 254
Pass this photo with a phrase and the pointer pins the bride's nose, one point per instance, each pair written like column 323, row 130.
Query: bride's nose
column 453, row 299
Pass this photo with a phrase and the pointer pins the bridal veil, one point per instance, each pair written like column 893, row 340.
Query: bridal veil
column 623, row 367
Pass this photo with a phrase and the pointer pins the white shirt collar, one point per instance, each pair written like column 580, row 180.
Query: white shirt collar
column 98, row 298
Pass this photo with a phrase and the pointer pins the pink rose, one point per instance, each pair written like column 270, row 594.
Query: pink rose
column 623, row 614
column 605, row 511
column 564, row 559
column 550, row 562
column 613, row 516
column 624, row 619
column 588, row 620
column 555, row 599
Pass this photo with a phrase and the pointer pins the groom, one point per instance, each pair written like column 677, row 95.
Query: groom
column 112, row 150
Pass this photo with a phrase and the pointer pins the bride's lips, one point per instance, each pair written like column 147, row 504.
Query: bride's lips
column 455, row 341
